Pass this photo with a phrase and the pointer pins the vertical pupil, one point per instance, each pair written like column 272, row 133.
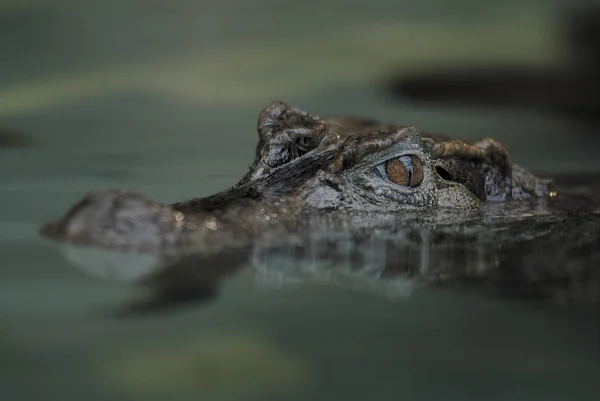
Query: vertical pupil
column 407, row 162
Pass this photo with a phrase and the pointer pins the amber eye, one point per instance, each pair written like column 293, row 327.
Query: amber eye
column 405, row 170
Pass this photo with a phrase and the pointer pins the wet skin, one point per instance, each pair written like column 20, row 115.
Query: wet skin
column 333, row 169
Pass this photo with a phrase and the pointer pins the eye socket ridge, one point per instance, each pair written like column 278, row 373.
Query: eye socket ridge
column 406, row 170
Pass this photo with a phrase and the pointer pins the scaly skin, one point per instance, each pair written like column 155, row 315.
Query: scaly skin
column 307, row 171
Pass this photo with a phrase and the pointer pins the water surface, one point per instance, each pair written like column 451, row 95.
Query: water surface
column 162, row 98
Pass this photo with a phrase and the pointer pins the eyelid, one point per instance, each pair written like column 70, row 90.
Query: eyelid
column 373, row 160
column 406, row 160
column 380, row 172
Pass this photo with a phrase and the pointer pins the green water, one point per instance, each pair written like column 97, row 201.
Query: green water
column 162, row 98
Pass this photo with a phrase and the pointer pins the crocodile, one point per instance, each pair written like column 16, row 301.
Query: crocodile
column 308, row 168
column 352, row 200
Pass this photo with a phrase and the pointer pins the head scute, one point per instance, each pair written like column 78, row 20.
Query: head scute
column 486, row 151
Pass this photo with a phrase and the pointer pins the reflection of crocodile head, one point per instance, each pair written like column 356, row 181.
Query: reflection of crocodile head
column 537, row 253
column 307, row 166
column 391, row 264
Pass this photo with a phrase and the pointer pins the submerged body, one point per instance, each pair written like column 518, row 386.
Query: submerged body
column 308, row 168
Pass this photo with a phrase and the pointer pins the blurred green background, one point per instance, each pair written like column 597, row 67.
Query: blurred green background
column 162, row 97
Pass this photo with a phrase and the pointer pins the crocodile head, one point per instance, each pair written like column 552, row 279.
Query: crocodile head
column 356, row 164
column 306, row 165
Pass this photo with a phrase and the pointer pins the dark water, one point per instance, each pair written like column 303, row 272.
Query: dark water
column 162, row 98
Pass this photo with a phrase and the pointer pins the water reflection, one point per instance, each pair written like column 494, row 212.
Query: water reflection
column 527, row 251
column 389, row 265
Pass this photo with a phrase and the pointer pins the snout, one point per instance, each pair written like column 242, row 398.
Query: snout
column 113, row 218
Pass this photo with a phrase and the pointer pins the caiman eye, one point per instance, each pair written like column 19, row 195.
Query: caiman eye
column 404, row 170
